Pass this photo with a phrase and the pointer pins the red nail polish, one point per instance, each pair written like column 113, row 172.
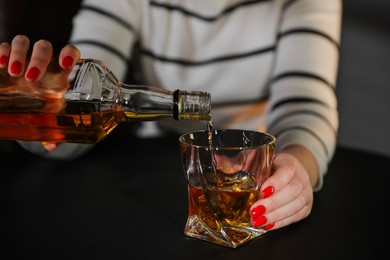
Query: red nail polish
column 16, row 67
column 33, row 73
column 260, row 221
column 267, row 192
column 67, row 62
column 4, row 60
column 269, row 226
column 258, row 211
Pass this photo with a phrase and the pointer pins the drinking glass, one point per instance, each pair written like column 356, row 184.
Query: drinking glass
column 224, row 169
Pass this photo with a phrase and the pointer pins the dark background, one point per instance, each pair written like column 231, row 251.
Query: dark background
column 38, row 19
column 364, row 80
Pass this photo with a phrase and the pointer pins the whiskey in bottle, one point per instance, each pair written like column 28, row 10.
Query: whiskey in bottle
column 84, row 105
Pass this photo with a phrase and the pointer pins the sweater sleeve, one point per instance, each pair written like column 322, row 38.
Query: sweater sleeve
column 303, row 106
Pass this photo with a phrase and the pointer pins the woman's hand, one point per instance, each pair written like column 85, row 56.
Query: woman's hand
column 29, row 73
column 15, row 57
column 287, row 195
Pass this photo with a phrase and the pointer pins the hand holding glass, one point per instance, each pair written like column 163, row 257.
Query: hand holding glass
column 224, row 170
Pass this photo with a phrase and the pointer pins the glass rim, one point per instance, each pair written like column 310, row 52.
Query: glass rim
column 271, row 142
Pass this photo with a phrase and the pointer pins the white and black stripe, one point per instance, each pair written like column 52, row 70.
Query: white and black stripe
column 242, row 52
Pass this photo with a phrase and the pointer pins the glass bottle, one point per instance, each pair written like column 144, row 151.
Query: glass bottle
column 85, row 104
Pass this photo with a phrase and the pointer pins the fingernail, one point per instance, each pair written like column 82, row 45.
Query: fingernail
column 4, row 60
column 257, row 211
column 267, row 192
column 269, row 226
column 260, row 221
column 50, row 147
column 16, row 67
column 67, row 62
column 33, row 73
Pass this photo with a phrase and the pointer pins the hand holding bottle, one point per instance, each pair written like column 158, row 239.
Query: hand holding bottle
column 14, row 59
column 27, row 75
column 80, row 101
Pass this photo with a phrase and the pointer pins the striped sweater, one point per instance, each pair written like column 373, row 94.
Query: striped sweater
column 270, row 65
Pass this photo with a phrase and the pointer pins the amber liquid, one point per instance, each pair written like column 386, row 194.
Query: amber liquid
column 219, row 204
column 224, row 208
column 225, row 203
column 51, row 120
column 222, row 203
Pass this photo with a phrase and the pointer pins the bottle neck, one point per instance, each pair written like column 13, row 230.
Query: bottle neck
column 144, row 101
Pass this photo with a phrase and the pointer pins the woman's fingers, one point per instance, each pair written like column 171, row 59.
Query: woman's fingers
column 41, row 56
column 290, row 198
column 69, row 55
column 5, row 49
column 18, row 55
column 15, row 57
column 49, row 146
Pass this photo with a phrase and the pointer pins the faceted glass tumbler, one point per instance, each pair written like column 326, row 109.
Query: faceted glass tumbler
column 224, row 170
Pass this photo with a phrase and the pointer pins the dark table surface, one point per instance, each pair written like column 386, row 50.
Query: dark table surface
column 127, row 199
